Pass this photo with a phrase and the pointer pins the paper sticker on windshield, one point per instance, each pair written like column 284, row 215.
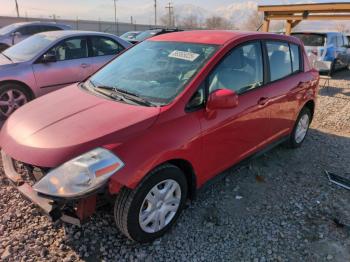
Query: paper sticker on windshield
column 188, row 56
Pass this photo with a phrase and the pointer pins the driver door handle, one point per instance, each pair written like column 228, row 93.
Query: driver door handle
column 84, row 65
column 263, row 101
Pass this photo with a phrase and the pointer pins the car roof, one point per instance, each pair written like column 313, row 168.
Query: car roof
column 317, row 33
column 215, row 37
column 38, row 23
column 64, row 33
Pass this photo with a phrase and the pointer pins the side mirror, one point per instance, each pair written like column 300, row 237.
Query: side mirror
column 221, row 99
column 49, row 58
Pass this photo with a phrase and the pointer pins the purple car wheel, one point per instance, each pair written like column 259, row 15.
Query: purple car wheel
column 12, row 97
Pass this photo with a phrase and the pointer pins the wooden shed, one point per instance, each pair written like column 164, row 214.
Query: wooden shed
column 294, row 14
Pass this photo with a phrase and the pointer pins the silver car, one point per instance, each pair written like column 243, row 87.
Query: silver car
column 48, row 61
column 15, row 33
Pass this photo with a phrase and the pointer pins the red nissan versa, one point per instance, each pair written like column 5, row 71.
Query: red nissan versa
column 156, row 123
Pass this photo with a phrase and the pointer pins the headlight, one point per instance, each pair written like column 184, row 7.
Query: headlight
column 80, row 175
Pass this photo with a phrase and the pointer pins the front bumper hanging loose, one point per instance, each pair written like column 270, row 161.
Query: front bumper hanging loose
column 54, row 208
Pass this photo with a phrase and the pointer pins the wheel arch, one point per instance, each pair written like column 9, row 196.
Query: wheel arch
column 30, row 91
column 187, row 168
column 311, row 106
column 184, row 165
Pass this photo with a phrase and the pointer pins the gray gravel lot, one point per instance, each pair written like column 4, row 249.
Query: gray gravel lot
column 280, row 207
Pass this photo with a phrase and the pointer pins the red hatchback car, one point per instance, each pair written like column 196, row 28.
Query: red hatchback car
column 158, row 122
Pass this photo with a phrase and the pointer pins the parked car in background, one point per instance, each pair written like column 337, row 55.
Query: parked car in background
column 14, row 33
column 327, row 52
column 130, row 36
column 51, row 60
column 157, row 123
column 152, row 32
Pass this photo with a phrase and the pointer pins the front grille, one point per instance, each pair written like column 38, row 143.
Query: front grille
column 30, row 174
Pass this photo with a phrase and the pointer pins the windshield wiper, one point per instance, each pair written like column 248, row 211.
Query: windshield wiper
column 7, row 57
column 109, row 94
column 128, row 95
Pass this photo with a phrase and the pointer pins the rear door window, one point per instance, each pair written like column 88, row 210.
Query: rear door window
column 47, row 28
column 102, row 46
column 279, row 59
column 295, row 52
column 29, row 30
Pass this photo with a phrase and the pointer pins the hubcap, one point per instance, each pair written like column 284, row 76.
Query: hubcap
column 160, row 206
column 302, row 127
column 10, row 100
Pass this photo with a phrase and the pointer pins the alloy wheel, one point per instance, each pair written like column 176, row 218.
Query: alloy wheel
column 10, row 100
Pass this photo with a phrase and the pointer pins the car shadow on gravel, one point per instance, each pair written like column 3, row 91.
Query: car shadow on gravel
column 334, row 91
column 278, row 207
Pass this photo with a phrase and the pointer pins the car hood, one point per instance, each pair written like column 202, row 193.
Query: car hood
column 61, row 125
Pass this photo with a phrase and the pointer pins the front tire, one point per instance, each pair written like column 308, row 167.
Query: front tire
column 147, row 212
column 300, row 129
column 12, row 96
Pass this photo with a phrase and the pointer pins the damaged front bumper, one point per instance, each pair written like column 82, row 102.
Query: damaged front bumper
column 73, row 211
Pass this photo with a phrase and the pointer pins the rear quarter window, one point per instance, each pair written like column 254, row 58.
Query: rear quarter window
column 295, row 53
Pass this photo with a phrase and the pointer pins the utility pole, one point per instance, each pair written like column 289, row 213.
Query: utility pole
column 115, row 16
column 54, row 17
column 17, row 8
column 170, row 10
column 155, row 12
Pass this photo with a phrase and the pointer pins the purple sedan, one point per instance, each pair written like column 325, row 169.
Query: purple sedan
column 48, row 61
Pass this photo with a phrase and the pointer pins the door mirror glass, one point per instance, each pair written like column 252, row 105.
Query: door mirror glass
column 221, row 99
column 49, row 57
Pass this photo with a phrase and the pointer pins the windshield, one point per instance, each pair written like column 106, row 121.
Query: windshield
column 156, row 71
column 29, row 48
column 146, row 34
column 129, row 35
column 311, row 39
column 7, row 29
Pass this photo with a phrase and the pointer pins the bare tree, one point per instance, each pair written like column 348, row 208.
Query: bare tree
column 189, row 22
column 217, row 22
column 254, row 21
column 164, row 20
column 341, row 27
column 277, row 26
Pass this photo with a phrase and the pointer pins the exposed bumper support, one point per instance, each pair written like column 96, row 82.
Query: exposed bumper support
column 54, row 208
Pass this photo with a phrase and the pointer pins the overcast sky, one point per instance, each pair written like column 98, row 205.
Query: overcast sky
column 95, row 9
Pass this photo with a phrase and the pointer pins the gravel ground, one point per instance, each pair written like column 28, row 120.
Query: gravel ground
column 279, row 208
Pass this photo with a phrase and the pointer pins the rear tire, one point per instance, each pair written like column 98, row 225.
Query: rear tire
column 333, row 68
column 147, row 212
column 12, row 96
column 300, row 129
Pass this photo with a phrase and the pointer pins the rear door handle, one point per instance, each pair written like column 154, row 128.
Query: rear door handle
column 263, row 101
column 84, row 65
